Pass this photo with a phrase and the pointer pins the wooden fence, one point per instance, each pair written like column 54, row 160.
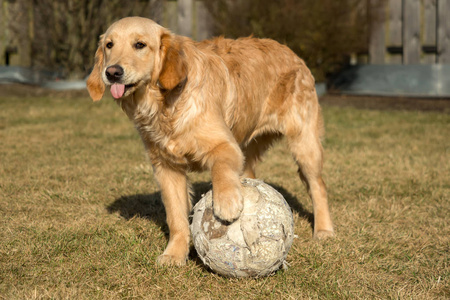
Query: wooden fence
column 188, row 18
column 406, row 31
column 410, row 32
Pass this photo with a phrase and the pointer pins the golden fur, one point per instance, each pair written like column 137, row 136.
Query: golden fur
column 215, row 105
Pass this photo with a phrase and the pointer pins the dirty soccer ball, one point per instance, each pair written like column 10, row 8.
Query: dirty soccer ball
column 254, row 245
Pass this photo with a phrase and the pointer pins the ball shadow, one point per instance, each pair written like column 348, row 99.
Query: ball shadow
column 295, row 204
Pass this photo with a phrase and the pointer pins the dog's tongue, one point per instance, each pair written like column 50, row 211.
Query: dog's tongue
column 117, row 90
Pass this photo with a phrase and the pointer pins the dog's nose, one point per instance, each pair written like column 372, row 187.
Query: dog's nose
column 114, row 73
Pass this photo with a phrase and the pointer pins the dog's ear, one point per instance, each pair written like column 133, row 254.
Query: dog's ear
column 95, row 84
column 174, row 68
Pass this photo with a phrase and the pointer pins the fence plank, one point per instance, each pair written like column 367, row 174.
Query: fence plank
column 204, row 21
column 377, row 43
column 411, row 32
column 429, row 32
column 3, row 29
column 185, row 14
column 443, row 31
column 395, row 30
column 170, row 12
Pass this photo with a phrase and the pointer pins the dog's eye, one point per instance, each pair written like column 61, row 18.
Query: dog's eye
column 109, row 45
column 139, row 45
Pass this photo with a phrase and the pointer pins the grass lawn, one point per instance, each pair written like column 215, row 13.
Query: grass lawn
column 81, row 217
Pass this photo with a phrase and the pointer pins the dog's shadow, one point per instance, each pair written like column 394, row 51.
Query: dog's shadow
column 150, row 206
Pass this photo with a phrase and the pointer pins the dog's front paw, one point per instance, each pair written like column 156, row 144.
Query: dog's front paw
column 171, row 260
column 227, row 203
column 324, row 234
column 176, row 252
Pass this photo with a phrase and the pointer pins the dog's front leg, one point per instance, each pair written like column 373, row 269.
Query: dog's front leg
column 226, row 163
column 175, row 196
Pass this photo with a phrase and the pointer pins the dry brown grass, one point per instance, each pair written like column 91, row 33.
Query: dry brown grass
column 81, row 216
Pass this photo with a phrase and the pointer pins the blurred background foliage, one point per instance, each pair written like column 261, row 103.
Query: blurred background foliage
column 324, row 33
column 62, row 35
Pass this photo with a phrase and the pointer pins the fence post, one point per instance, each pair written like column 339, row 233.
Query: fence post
column 3, row 30
column 429, row 37
column 185, row 17
column 377, row 43
column 411, row 32
column 171, row 15
column 395, row 31
column 204, row 21
column 443, row 43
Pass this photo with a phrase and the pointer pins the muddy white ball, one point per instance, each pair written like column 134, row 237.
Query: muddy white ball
column 254, row 245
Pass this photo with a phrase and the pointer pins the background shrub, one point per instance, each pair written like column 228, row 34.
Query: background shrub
column 324, row 33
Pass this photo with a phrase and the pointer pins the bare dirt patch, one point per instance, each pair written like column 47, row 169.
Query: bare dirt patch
column 387, row 103
column 26, row 90
column 363, row 102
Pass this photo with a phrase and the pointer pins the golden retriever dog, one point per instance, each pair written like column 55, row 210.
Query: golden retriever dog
column 215, row 105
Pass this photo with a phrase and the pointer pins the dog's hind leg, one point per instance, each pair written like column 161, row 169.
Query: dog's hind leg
column 304, row 128
column 307, row 152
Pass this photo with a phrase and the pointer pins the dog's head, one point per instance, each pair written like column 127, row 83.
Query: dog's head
column 135, row 52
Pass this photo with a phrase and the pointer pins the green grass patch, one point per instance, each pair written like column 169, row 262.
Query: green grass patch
column 82, row 217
